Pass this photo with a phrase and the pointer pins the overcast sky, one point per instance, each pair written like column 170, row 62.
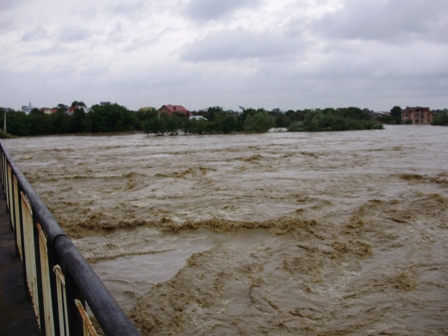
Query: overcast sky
column 290, row 54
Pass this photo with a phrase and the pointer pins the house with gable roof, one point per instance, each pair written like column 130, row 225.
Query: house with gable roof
column 417, row 115
column 170, row 109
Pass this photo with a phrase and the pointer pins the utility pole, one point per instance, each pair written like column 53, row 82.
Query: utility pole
column 4, row 122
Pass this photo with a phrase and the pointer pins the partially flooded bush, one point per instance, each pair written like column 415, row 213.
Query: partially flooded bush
column 4, row 135
column 343, row 119
column 258, row 123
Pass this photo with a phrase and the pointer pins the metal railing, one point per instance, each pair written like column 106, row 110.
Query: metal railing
column 58, row 278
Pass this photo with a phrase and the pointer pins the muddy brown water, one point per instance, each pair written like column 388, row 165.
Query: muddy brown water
column 279, row 234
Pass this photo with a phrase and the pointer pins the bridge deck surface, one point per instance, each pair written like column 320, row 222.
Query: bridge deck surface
column 16, row 310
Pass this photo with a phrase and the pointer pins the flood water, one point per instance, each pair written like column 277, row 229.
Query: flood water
column 342, row 233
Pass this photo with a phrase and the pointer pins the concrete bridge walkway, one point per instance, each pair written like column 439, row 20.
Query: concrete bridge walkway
column 16, row 311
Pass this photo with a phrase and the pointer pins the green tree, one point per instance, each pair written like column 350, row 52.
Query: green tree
column 60, row 122
column 41, row 123
column 78, row 103
column 18, row 124
column 155, row 126
column 395, row 114
column 112, row 118
column 396, row 111
column 440, row 119
column 80, row 122
column 259, row 122
column 171, row 125
column 340, row 119
column 228, row 124
column 280, row 118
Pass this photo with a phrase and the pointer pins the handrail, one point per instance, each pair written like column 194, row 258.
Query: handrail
column 44, row 249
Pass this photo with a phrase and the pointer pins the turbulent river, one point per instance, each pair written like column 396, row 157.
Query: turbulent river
column 281, row 233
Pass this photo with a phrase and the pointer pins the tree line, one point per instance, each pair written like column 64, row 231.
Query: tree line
column 440, row 118
column 107, row 118
column 117, row 118
column 260, row 120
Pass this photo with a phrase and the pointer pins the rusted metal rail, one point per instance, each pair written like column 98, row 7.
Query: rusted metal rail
column 58, row 279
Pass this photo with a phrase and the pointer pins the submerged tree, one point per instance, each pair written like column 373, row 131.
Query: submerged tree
column 259, row 122
column 341, row 119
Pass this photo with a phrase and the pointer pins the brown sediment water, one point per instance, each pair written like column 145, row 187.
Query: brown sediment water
column 278, row 234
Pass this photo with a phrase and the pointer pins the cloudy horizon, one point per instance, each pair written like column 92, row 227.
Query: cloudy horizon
column 287, row 54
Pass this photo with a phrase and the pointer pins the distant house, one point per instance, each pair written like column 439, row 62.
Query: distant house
column 48, row 110
column 170, row 109
column 417, row 115
column 147, row 108
column 198, row 117
column 72, row 109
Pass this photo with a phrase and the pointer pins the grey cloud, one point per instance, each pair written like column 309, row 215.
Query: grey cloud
column 94, row 71
column 389, row 20
column 6, row 5
column 205, row 10
column 35, row 34
column 6, row 25
column 53, row 50
column 130, row 8
column 73, row 34
column 115, row 34
column 375, row 61
column 240, row 44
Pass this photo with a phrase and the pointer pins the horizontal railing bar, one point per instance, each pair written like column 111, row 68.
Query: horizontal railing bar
column 43, row 215
column 108, row 313
column 106, row 310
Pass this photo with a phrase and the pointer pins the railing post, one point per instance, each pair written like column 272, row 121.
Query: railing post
column 62, row 301
column 8, row 186
column 52, row 262
column 29, row 249
column 87, row 324
column 17, row 218
column 59, row 293
column 2, row 162
column 47, row 316
column 39, row 282
column 74, row 318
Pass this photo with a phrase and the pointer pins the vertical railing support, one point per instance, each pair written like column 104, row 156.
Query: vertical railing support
column 62, row 301
column 88, row 329
column 46, row 284
column 58, row 279
column 29, row 249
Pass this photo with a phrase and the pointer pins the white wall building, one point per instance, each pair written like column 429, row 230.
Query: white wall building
column 27, row 109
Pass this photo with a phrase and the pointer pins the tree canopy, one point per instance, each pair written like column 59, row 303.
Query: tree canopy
column 117, row 118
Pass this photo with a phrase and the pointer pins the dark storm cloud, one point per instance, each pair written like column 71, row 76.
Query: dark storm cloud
column 205, row 10
column 239, row 44
column 388, row 20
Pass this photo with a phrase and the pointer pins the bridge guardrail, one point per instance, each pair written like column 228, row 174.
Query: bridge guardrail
column 58, row 279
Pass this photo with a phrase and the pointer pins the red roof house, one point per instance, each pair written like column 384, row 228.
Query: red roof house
column 170, row 109
column 72, row 109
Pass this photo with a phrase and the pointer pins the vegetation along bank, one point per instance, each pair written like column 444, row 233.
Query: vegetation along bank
column 214, row 120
